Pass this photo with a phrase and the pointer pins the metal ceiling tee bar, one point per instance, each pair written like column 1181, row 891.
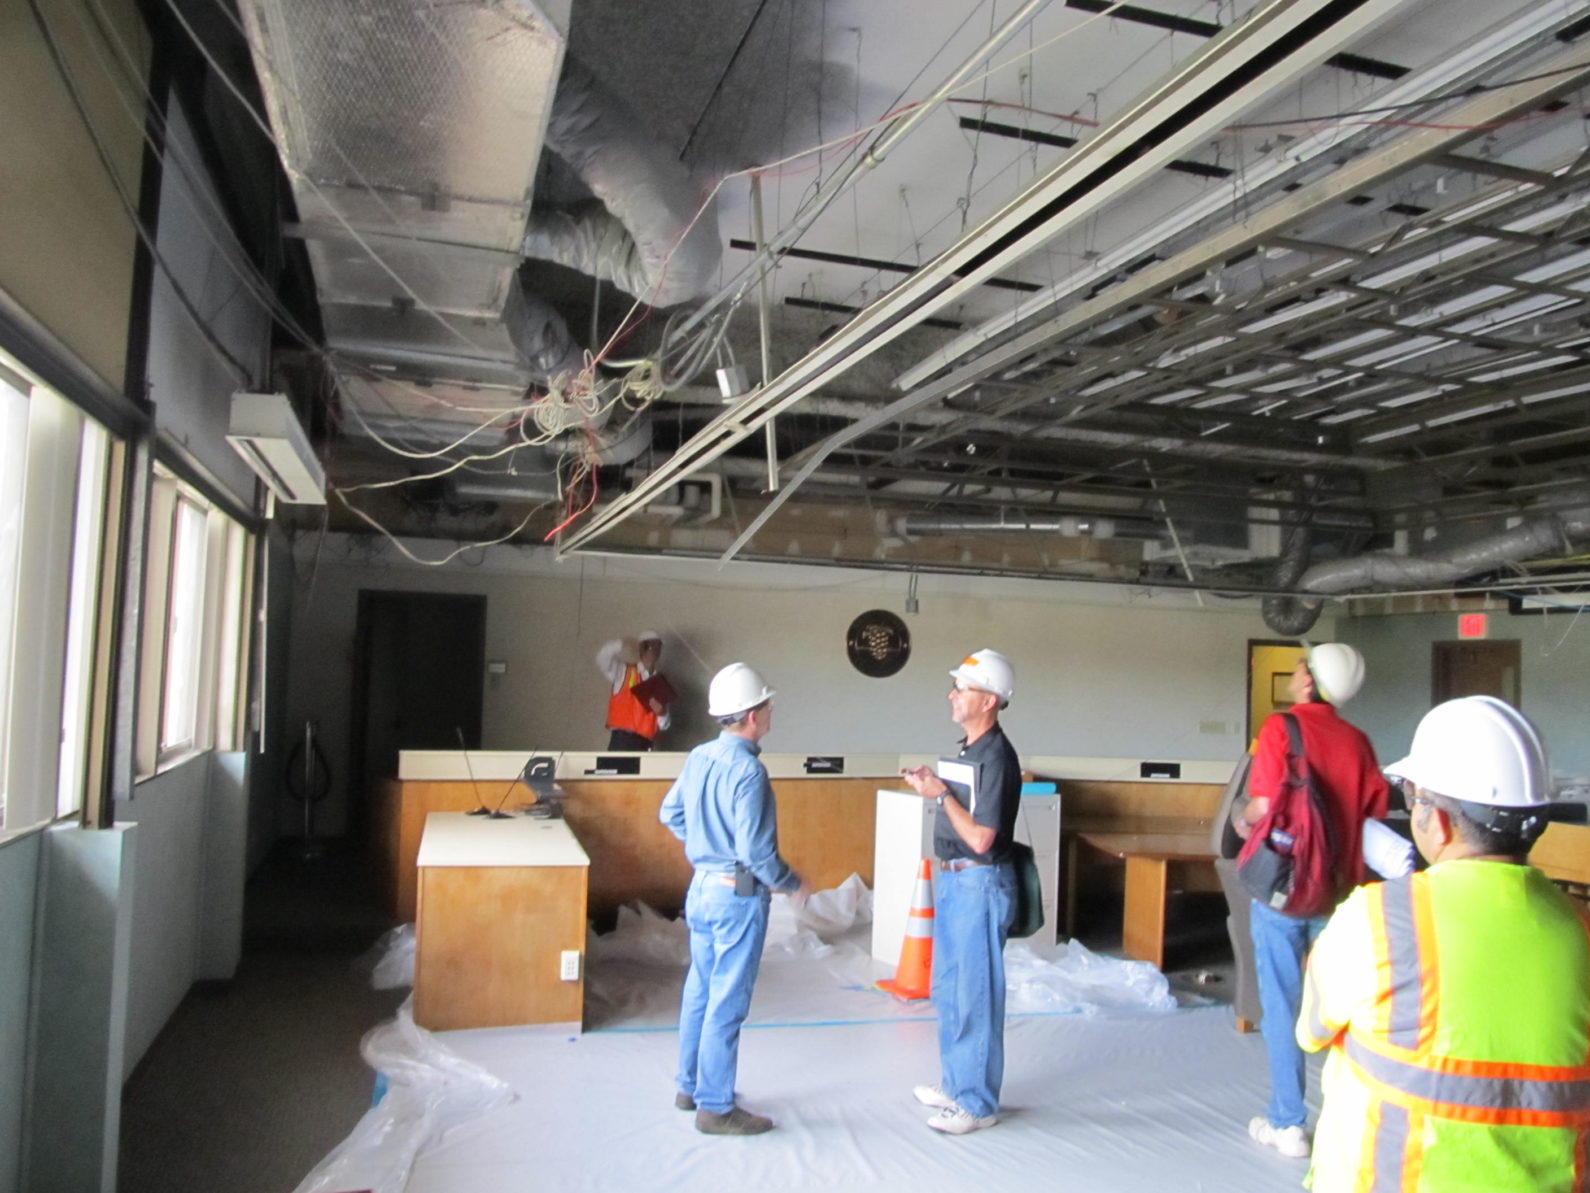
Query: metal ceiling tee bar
column 1258, row 229
column 1441, row 76
column 1231, row 74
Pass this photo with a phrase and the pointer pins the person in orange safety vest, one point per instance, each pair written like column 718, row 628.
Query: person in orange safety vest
column 1455, row 1002
column 634, row 723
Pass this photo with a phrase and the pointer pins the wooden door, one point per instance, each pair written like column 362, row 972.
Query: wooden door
column 1475, row 668
column 420, row 661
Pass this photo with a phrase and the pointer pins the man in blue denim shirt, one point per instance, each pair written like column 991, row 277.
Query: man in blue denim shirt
column 974, row 899
column 721, row 807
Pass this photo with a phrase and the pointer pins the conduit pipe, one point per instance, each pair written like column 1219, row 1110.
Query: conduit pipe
column 1067, row 525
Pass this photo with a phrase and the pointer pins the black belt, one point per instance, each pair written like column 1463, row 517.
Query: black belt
column 956, row 864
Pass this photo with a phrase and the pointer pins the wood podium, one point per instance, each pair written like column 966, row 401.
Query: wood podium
column 500, row 904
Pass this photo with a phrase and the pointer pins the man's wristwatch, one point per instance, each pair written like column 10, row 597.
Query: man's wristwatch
column 941, row 797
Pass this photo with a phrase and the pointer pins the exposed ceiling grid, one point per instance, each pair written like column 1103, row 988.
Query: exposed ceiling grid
column 1192, row 267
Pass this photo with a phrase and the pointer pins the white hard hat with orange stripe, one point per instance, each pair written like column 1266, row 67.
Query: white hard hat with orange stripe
column 989, row 671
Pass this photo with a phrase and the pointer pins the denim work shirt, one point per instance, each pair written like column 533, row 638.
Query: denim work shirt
column 721, row 807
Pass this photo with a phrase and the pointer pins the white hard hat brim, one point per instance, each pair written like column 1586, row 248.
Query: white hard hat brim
column 1427, row 777
column 970, row 679
column 648, row 636
column 767, row 694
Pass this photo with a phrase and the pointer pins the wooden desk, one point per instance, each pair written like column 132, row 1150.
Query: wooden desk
column 500, row 901
column 1148, row 856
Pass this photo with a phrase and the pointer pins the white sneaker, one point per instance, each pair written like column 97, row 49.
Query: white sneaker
column 1289, row 1141
column 952, row 1120
column 932, row 1095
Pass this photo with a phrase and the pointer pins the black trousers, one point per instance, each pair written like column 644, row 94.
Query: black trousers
column 623, row 739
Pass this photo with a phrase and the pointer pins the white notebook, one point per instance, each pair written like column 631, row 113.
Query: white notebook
column 962, row 774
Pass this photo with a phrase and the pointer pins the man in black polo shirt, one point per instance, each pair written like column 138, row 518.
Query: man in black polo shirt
column 974, row 898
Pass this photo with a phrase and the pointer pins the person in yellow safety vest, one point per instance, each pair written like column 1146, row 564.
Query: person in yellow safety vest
column 634, row 723
column 1456, row 1001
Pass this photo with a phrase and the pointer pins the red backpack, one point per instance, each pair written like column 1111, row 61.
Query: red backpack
column 1289, row 862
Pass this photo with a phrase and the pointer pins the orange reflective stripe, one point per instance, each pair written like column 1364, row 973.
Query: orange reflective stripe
column 1380, row 946
column 1563, row 1101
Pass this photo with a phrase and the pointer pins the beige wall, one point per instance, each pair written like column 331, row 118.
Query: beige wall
column 66, row 242
column 1101, row 671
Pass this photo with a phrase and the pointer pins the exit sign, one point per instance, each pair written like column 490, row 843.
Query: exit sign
column 1471, row 625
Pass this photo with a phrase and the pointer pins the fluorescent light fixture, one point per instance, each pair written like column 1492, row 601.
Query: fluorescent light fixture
column 265, row 432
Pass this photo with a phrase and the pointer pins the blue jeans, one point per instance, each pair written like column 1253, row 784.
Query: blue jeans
column 972, row 909
column 1280, row 945
column 726, row 936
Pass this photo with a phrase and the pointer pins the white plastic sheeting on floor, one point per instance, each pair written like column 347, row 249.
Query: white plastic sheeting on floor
column 1108, row 1087
column 817, row 968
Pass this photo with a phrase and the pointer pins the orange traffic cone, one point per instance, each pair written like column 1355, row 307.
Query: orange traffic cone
column 913, row 976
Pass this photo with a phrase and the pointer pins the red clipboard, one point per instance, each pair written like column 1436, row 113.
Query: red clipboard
column 656, row 688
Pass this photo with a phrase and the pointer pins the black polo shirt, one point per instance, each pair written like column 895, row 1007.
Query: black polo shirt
column 998, row 798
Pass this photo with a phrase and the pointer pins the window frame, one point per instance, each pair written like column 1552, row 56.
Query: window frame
column 62, row 505
column 217, row 627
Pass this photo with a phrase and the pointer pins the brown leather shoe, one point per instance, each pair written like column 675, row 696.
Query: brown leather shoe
column 736, row 1122
column 684, row 1102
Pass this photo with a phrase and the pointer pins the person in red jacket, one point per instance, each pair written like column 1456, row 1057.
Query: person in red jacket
column 634, row 722
column 1344, row 766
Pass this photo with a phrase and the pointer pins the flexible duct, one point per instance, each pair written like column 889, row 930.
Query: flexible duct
column 540, row 335
column 1380, row 570
column 641, row 238
column 1292, row 616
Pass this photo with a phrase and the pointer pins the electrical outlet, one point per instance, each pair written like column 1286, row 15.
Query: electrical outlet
column 1211, row 727
column 569, row 965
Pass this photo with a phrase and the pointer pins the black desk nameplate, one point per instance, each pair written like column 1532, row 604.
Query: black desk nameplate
column 825, row 764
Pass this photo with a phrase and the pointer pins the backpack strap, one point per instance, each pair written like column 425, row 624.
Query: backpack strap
column 1311, row 792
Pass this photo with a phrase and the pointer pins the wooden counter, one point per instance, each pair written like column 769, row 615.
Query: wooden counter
column 500, row 901
column 825, row 830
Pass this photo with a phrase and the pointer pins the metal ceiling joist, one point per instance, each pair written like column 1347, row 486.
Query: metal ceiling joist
column 1237, row 70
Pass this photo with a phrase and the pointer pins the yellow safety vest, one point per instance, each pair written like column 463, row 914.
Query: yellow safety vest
column 1456, row 1006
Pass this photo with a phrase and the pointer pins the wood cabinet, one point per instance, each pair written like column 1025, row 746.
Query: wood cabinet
column 500, row 903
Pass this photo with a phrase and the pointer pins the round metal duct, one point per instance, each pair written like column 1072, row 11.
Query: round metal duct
column 878, row 643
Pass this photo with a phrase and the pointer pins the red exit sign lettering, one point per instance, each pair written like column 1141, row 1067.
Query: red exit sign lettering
column 1471, row 625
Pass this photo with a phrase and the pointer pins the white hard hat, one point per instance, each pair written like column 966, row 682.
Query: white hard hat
column 1338, row 670
column 734, row 689
column 648, row 636
column 988, row 670
column 1480, row 750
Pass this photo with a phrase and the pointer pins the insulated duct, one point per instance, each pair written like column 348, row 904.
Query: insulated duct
column 1541, row 536
column 641, row 237
column 1292, row 616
